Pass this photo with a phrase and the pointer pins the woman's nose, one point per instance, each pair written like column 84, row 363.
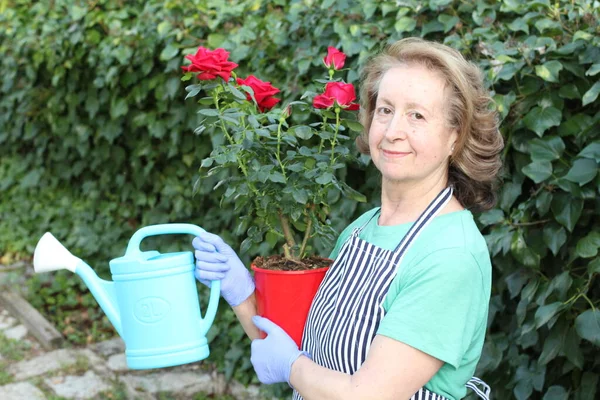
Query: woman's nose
column 396, row 129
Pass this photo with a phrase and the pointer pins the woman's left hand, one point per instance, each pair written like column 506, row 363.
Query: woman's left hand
column 272, row 357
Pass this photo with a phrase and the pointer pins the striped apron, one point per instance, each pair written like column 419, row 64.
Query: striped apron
column 348, row 306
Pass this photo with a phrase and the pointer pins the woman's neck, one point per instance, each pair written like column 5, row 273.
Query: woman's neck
column 402, row 203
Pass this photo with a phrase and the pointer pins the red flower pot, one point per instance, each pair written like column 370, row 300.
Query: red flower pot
column 285, row 297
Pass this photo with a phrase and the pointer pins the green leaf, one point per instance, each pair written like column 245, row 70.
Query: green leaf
column 91, row 103
column 405, row 24
column 544, row 313
column 594, row 266
column 246, row 245
column 509, row 70
column 593, row 70
column 215, row 40
column 515, row 282
column 523, row 390
column 552, row 346
column 172, row 86
column 545, row 24
column 519, row 24
column 538, row 171
column 592, row 151
column 569, row 187
column 582, row 171
column 491, row 217
column 572, row 349
column 192, row 90
column 301, row 196
column 77, row 12
column 354, row 126
column 591, row 95
column 118, row 107
column 431, row 26
column 569, row 91
column 303, row 132
column 546, row 149
column 581, row 35
column 542, row 202
column 556, row 393
column 277, row 177
column 324, row 179
column 448, row 21
column 561, row 284
column 549, row 70
column 439, row 4
column 522, row 253
column 209, row 112
column 554, row 237
column 504, row 102
column 587, row 325
column 169, row 52
column 587, row 387
column 566, row 210
column 574, row 125
column 353, row 194
column 164, row 28
column 510, row 192
column 541, row 119
column 588, row 246
column 369, row 9
column 31, row 179
column 236, row 92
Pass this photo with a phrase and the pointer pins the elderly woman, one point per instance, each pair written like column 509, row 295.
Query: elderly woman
column 402, row 312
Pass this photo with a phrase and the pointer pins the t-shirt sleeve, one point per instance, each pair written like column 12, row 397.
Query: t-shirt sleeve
column 438, row 306
column 347, row 232
column 340, row 242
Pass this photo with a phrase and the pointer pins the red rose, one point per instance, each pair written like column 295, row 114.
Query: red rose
column 334, row 59
column 210, row 64
column 263, row 92
column 337, row 92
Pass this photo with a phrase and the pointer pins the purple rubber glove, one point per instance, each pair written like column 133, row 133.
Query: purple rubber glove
column 273, row 356
column 215, row 260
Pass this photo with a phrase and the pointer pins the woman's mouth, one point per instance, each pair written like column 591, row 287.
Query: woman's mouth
column 394, row 154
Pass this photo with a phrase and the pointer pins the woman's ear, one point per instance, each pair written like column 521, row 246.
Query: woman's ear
column 453, row 140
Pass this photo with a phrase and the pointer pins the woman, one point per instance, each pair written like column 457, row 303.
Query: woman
column 402, row 311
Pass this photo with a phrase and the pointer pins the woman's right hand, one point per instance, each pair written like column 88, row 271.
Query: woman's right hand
column 215, row 260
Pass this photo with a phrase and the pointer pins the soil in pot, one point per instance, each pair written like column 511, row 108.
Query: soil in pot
column 280, row 263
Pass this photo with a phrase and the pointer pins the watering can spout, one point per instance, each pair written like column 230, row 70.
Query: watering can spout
column 51, row 255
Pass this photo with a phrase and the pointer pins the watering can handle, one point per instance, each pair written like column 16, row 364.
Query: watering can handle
column 169, row 229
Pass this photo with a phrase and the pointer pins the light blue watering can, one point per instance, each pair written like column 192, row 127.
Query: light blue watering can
column 152, row 300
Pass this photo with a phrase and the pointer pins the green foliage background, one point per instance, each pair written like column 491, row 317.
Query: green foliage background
column 97, row 141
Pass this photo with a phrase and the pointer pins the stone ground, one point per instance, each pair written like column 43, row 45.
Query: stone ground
column 99, row 371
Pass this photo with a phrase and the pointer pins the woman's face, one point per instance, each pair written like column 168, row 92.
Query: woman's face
column 409, row 138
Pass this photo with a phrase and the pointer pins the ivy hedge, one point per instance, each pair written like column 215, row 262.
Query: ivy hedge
column 98, row 141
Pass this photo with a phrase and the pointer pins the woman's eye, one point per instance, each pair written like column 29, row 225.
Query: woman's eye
column 384, row 111
column 417, row 115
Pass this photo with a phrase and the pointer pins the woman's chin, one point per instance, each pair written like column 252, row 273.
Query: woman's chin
column 394, row 178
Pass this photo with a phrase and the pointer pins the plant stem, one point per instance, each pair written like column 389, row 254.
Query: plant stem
column 337, row 129
column 241, row 165
column 531, row 223
column 322, row 140
column 223, row 127
column 279, row 147
column 307, row 231
column 289, row 237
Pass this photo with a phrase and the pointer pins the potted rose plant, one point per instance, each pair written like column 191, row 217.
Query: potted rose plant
column 279, row 173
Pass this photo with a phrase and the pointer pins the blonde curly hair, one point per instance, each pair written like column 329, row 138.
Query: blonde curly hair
column 475, row 162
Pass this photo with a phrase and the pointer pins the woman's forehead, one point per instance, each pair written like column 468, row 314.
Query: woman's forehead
column 412, row 84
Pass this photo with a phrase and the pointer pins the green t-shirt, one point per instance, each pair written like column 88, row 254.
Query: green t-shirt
column 438, row 301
